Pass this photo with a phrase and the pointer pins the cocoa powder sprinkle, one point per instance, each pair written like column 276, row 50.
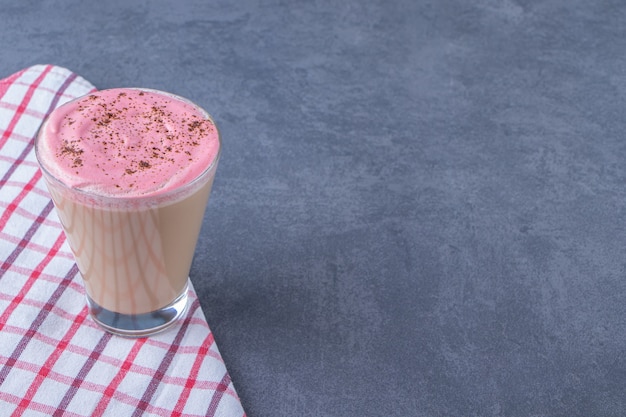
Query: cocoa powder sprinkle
column 194, row 125
column 119, row 114
column 71, row 149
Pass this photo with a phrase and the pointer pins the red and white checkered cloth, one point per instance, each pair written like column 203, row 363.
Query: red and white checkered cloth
column 54, row 360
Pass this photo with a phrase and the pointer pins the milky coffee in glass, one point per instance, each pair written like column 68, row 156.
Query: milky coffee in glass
column 130, row 172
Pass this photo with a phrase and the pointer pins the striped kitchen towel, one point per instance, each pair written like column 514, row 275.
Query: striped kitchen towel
column 54, row 360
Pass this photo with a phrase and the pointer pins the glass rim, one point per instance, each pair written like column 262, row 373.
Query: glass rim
column 137, row 199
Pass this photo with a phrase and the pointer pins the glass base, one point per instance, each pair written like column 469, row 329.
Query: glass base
column 139, row 325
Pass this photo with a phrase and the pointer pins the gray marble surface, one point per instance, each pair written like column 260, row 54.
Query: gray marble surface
column 421, row 205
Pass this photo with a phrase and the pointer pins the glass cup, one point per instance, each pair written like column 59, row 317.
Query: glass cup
column 134, row 253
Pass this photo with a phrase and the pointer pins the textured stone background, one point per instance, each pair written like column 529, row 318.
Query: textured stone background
column 421, row 205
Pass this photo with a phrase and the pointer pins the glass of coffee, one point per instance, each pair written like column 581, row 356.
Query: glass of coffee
column 130, row 172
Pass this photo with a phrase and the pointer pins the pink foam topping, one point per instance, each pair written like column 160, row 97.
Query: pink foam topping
column 127, row 142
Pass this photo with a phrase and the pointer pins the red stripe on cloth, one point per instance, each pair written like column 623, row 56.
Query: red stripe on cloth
column 19, row 137
column 44, row 409
column 27, row 111
column 94, row 387
column 31, row 184
column 32, row 330
column 16, row 201
column 40, row 337
column 47, row 89
column 22, row 157
column 55, row 279
column 41, row 191
column 82, row 374
column 193, row 375
column 24, row 241
column 11, row 160
column 20, row 110
column 217, row 397
column 32, row 246
column 47, row 366
column 5, row 83
column 31, row 279
column 144, row 403
column 120, row 396
column 115, row 382
column 110, row 360
column 31, row 216
column 12, row 207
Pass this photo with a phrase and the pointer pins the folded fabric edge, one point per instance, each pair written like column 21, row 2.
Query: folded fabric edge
column 53, row 70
